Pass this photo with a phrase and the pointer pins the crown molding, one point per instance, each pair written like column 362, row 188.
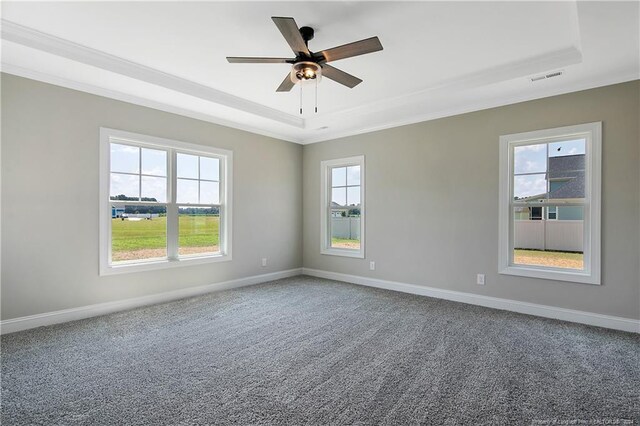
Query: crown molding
column 408, row 108
column 137, row 100
column 57, row 46
column 517, row 69
column 608, row 80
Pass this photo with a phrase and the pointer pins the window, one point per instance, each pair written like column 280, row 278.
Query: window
column 342, row 216
column 550, row 203
column 162, row 203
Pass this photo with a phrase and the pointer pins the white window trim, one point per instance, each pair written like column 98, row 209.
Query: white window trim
column 226, row 198
column 325, row 199
column 592, row 132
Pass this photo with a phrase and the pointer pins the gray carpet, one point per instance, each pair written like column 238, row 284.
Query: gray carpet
column 312, row 351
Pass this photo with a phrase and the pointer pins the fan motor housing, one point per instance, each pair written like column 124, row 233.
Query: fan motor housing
column 307, row 33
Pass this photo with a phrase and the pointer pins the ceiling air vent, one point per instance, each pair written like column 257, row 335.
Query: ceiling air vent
column 546, row 76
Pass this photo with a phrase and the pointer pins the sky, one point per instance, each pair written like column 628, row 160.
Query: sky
column 126, row 159
column 345, row 182
column 532, row 160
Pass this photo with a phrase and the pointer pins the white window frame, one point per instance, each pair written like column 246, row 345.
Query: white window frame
column 592, row 132
column 325, row 206
column 172, row 147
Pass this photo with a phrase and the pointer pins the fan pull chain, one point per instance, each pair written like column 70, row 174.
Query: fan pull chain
column 300, row 99
column 316, row 96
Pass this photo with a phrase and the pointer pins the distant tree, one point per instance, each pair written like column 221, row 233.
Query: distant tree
column 161, row 210
column 354, row 212
column 138, row 209
column 200, row 211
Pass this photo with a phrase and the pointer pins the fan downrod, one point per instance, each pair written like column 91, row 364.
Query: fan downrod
column 307, row 34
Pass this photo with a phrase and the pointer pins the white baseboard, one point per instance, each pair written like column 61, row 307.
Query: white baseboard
column 607, row 321
column 65, row 315
column 56, row 317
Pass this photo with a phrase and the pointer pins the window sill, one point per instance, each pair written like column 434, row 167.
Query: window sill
column 558, row 275
column 152, row 265
column 359, row 254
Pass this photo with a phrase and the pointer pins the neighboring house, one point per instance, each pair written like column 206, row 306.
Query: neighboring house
column 338, row 210
column 566, row 183
column 116, row 212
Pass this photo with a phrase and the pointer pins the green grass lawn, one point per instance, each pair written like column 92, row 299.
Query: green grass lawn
column 194, row 231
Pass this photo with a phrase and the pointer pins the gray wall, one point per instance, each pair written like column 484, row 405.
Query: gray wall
column 443, row 175
column 50, row 139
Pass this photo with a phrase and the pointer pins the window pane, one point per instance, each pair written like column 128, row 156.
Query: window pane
column 530, row 158
column 339, row 196
column 125, row 158
column 154, row 189
column 353, row 196
column 339, row 176
column 198, row 230
column 124, row 187
column 187, row 191
column 187, row 166
column 138, row 232
column 154, row 162
column 209, row 168
column 556, row 243
column 530, row 187
column 345, row 228
column 571, row 147
column 353, row 175
column 209, row 192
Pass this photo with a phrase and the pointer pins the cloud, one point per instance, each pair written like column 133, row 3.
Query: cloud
column 530, row 158
column 526, row 186
column 532, row 148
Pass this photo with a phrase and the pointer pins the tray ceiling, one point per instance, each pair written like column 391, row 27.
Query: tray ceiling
column 439, row 58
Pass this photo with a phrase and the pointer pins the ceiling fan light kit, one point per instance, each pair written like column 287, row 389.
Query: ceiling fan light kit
column 311, row 66
column 305, row 71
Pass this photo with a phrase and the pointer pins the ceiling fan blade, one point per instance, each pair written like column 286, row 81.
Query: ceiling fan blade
column 340, row 76
column 253, row 60
column 286, row 84
column 291, row 34
column 356, row 48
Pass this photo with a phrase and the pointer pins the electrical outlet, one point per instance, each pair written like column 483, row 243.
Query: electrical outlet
column 480, row 279
column 372, row 266
column 264, row 261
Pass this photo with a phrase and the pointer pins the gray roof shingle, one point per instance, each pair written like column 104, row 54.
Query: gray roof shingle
column 570, row 167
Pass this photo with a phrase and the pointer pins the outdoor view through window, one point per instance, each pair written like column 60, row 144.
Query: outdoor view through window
column 345, row 207
column 199, row 220
column 139, row 188
column 548, row 207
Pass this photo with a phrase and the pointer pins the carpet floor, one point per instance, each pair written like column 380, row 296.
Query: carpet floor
column 310, row 351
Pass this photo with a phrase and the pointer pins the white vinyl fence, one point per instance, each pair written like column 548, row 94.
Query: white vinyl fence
column 563, row 235
column 345, row 227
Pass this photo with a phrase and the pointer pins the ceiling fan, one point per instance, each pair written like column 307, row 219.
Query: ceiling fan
column 308, row 65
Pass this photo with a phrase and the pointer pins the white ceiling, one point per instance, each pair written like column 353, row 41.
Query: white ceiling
column 439, row 58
